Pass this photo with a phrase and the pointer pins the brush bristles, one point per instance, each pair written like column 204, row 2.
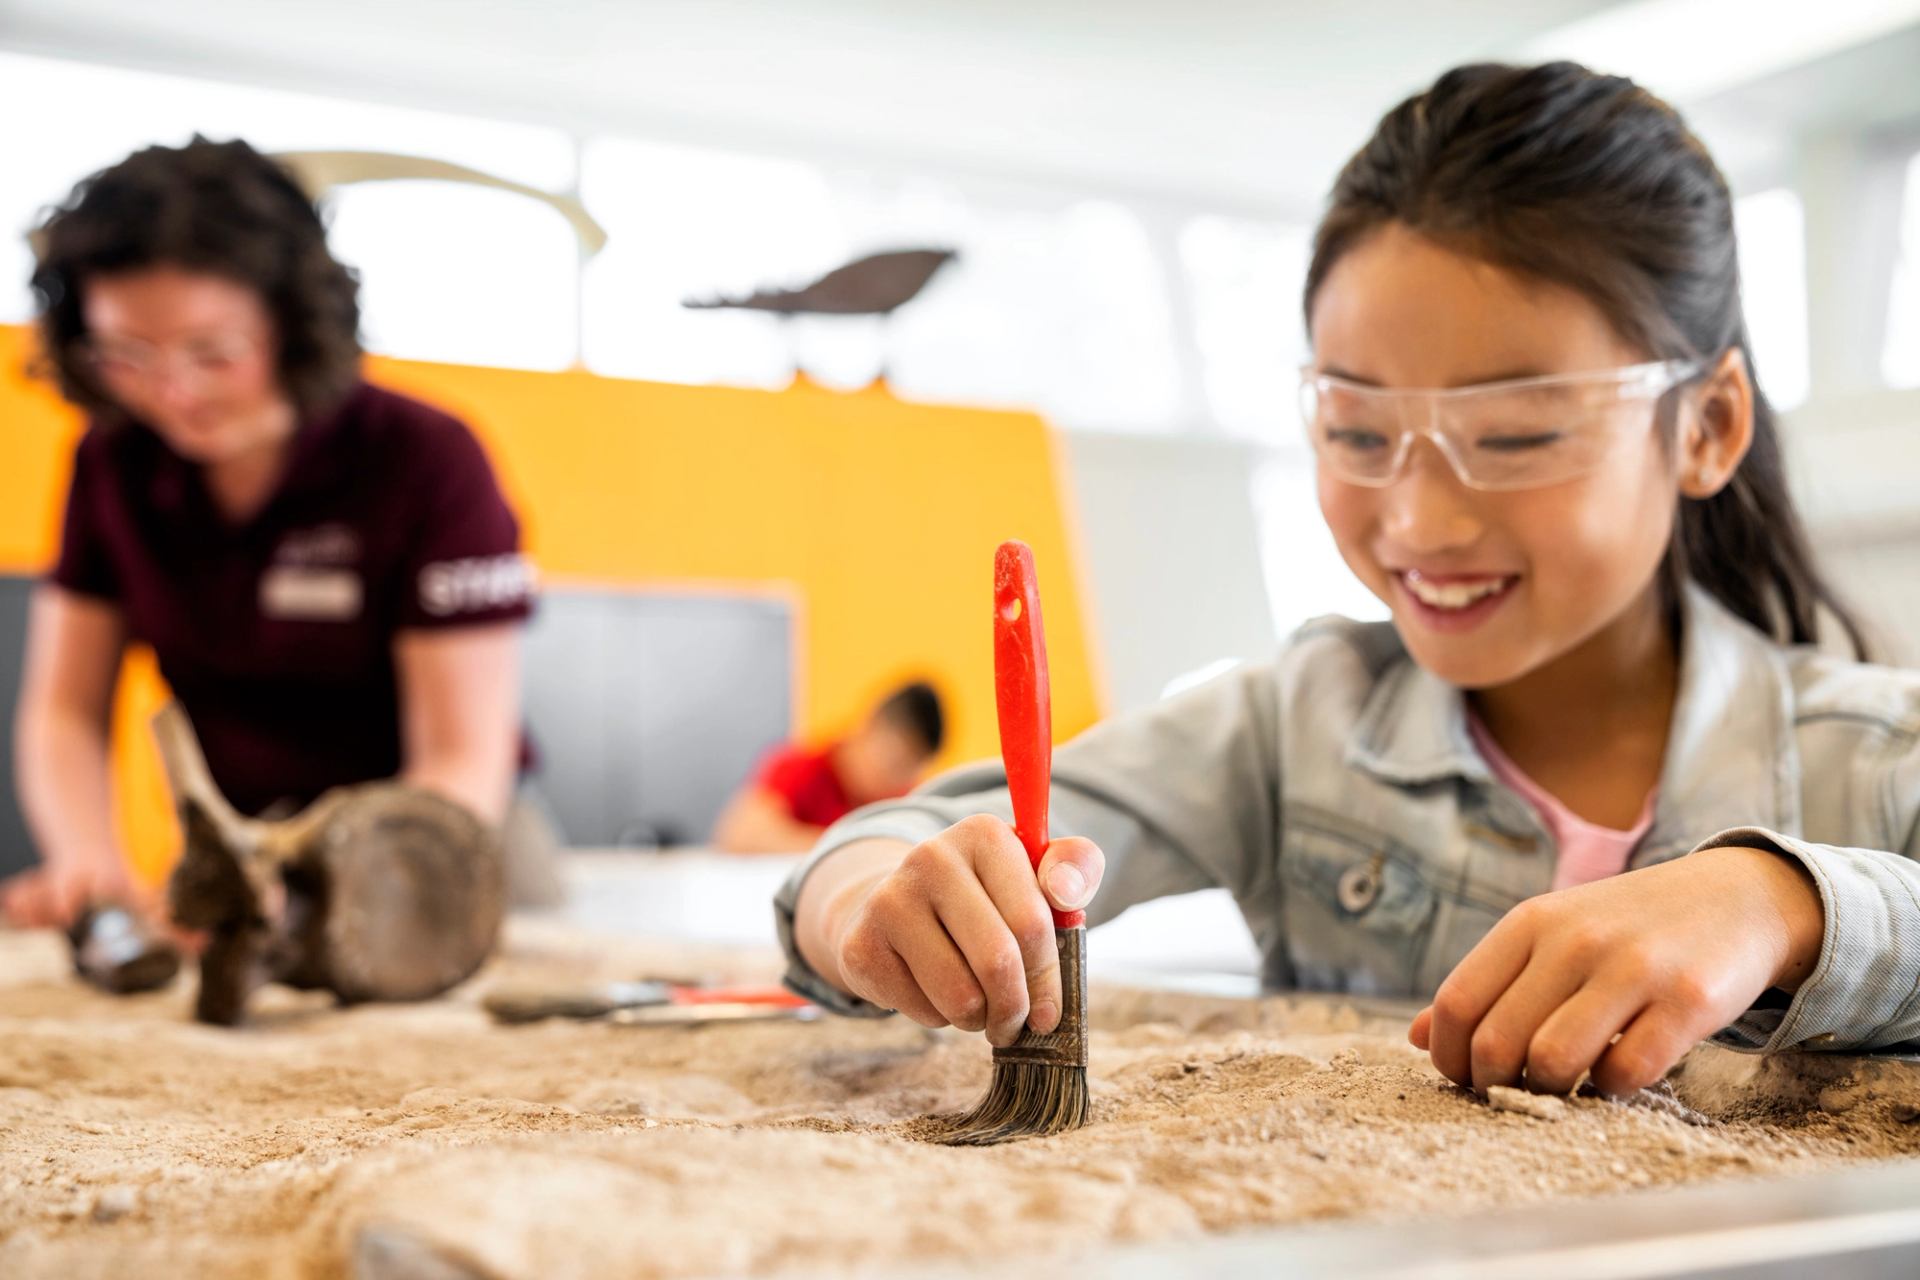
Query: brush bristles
column 1039, row 1084
column 1025, row 1100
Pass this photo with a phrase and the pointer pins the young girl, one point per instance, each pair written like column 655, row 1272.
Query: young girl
column 1539, row 441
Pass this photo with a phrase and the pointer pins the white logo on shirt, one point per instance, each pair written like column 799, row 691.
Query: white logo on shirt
column 296, row 593
column 471, row 585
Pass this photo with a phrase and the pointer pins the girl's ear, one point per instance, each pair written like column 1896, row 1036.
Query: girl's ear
column 1716, row 427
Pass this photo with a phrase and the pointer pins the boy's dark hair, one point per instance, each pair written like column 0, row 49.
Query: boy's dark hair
column 216, row 207
column 1591, row 182
column 916, row 710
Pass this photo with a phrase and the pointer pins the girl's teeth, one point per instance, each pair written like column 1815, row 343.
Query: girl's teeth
column 1451, row 595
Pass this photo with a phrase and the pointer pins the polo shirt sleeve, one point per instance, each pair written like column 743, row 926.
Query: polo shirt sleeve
column 84, row 565
column 464, row 566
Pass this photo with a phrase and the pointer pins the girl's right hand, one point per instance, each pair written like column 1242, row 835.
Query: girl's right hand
column 960, row 930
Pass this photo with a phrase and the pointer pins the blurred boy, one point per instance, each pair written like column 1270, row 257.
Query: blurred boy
column 798, row 792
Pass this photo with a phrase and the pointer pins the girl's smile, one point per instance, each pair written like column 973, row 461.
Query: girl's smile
column 1451, row 602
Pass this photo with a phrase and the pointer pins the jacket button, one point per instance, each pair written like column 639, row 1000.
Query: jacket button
column 1359, row 886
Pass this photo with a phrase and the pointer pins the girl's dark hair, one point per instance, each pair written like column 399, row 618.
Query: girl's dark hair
column 215, row 207
column 1591, row 182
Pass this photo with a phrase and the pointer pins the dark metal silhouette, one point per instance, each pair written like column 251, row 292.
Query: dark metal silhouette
column 876, row 285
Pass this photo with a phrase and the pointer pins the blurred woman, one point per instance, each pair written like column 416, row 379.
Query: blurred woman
column 326, row 571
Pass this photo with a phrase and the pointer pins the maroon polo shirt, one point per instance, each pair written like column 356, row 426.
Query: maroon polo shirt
column 277, row 634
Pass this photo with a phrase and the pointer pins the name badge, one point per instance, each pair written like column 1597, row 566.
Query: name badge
column 291, row 593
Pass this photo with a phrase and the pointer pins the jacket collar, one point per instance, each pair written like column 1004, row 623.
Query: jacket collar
column 1730, row 760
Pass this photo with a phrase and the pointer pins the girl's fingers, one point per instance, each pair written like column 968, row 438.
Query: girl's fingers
column 873, row 970
column 1008, row 880
column 1470, row 990
column 1070, row 873
column 940, row 972
column 999, row 951
column 1501, row 1040
column 904, row 995
column 1420, row 1034
column 1574, row 1036
column 1645, row 1051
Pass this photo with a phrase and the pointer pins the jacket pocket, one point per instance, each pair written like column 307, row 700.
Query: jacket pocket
column 1357, row 911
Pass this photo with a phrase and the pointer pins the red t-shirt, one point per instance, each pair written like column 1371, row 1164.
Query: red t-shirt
column 277, row 634
column 806, row 781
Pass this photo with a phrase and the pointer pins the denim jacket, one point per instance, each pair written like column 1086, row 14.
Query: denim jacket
column 1336, row 792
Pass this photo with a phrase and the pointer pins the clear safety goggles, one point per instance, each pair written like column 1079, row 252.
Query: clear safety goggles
column 130, row 364
column 1524, row 433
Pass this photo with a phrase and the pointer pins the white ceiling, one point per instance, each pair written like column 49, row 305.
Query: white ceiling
column 1236, row 103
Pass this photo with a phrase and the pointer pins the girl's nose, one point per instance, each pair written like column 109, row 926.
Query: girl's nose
column 1426, row 509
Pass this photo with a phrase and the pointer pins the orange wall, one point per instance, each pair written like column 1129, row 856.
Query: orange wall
column 877, row 516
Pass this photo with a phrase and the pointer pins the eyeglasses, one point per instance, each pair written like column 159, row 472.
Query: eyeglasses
column 1524, row 433
column 128, row 363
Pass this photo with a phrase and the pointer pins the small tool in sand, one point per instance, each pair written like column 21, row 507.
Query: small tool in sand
column 515, row 1004
column 119, row 952
column 1039, row 1081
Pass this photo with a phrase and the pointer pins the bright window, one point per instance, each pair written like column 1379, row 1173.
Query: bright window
column 1900, row 358
column 106, row 112
column 1246, row 279
column 1110, row 361
column 1771, row 230
column 687, row 223
column 1060, row 308
column 460, row 273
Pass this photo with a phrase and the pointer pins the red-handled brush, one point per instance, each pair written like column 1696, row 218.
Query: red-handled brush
column 1039, row 1081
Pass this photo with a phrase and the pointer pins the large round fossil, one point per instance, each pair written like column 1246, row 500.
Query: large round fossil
column 381, row 891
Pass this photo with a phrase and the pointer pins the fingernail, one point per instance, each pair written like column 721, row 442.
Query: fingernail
column 1044, row 1018
column 1068, row 886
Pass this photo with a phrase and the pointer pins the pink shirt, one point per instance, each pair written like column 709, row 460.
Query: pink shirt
column 1588, row 852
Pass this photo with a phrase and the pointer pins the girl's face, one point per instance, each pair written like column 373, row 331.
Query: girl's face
column 1486, row 587
column 192, row 356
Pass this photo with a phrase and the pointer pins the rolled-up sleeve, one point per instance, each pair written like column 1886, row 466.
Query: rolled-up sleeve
column 1864, row 991
column 1179, row 796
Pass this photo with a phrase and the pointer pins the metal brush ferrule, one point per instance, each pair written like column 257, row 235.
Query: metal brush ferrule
column 1066, row 1044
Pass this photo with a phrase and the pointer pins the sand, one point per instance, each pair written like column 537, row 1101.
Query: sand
column 421, row 1141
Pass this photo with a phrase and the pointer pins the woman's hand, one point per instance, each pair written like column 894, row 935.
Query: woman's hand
column 958, row 931
column 1623, row 976
column 53, row 896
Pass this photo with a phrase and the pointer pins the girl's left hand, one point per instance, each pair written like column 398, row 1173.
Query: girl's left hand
column 1660, row 958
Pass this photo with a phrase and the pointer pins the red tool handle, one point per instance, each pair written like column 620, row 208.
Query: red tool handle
column 774, row 997
column 1025, row 701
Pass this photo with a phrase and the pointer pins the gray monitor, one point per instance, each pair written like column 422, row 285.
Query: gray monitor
column 648, row 709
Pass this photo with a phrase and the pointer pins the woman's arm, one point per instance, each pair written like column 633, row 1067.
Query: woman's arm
column 73, row 651
column 757, row 820
column 460, row 712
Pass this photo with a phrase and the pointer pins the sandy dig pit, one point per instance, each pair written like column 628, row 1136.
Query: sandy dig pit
column 420, row 1140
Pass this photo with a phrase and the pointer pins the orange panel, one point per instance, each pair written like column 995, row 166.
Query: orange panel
column 879, row 517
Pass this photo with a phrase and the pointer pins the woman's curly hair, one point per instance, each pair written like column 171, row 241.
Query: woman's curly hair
column 216, row 207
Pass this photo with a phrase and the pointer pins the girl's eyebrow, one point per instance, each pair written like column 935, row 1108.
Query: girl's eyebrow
column 1335, row 371
column 1517, row 374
